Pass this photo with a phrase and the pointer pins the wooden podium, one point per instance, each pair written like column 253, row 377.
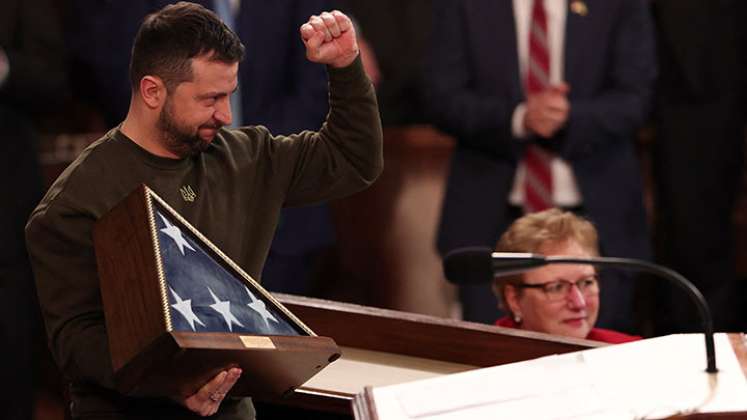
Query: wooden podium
column 383, row 347
column 178, row 311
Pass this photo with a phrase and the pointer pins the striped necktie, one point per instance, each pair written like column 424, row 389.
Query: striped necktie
column 537, row 161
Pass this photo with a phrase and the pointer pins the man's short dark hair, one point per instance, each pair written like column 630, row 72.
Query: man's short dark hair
column 170, row 38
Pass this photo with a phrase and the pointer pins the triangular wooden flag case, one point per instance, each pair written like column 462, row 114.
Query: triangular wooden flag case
column 178, row 310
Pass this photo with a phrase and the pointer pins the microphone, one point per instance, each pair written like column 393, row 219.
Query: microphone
column 475, row 265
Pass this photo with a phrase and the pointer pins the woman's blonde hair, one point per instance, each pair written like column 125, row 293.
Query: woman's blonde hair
column 530, row 232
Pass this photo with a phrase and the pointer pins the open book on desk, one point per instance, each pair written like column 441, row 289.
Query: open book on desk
column 652, row 378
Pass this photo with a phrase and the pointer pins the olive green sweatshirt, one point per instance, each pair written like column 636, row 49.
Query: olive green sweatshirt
column 238, row 186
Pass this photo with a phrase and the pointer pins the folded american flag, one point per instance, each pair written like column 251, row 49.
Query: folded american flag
column 204, row 296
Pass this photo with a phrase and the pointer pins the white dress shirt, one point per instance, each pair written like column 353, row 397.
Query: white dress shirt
column 565, row 189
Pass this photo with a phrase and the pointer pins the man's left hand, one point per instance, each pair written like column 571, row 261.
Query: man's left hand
column 330, row 39
column 207, row 399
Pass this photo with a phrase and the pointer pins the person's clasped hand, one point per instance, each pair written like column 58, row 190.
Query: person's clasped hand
column 330, row 39
column 547, row 111
column 207, row 399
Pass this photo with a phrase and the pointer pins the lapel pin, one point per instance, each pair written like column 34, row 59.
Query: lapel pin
column 579, row 7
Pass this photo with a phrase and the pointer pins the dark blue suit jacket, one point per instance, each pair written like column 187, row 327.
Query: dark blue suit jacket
column 474, row 86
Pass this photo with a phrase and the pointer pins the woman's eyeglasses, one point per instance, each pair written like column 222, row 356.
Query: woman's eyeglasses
column 559, row 289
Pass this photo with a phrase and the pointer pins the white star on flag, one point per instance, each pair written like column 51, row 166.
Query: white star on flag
column 259, row 307
column 185, row 308
column 175, row 234
column 224, row 308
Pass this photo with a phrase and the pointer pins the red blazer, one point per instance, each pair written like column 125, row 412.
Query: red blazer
column 596, row 334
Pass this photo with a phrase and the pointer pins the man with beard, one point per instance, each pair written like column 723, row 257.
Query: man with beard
column 230, row 184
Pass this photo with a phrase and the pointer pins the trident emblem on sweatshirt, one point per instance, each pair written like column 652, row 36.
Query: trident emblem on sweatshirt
column 188, row 194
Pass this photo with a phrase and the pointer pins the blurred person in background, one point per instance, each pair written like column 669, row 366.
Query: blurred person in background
column 698, row 157
column 545, row 98
column 32, row 83
column 395, row 37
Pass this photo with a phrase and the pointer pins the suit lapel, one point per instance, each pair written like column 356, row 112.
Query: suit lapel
column 572, row 53
column 513, row 72
column 582, row 44
column 494, row 36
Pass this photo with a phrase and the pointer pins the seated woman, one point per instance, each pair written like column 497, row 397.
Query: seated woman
column 555, row 299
